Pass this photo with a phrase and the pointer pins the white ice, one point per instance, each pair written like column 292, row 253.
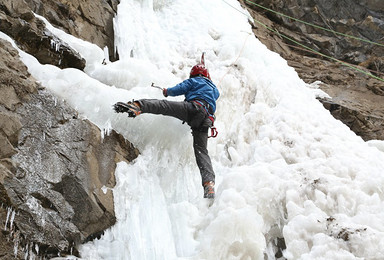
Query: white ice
column 284, row 166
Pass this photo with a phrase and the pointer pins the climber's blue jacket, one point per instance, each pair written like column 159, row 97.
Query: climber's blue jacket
column 197, row 88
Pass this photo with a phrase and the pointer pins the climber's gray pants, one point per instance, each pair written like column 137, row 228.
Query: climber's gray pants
column 197, row 118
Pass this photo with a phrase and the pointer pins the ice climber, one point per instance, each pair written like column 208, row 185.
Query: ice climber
column 197, row 110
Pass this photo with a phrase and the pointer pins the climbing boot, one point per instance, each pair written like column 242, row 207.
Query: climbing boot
column 131, row 107
column 209, row 190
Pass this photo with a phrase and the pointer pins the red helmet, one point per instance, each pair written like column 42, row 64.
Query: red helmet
column 199, row 69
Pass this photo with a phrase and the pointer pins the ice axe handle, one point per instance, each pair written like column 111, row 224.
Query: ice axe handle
column 154, row 86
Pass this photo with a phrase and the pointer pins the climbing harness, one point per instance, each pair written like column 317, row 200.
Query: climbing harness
column 211, row 116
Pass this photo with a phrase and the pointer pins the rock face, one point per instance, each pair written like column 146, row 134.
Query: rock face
column 18, row 22
column 54, row 168
column 367, row 125
column 359, row 97
column 88, row 20
column 363, row 19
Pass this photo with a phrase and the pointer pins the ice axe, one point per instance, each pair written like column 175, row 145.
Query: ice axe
column 202, row 58
column 154, row 86
column 164, row 90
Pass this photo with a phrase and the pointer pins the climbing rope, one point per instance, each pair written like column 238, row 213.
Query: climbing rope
column 233, row 63
column 314, row 25
column 310, row 49
column 302, row 49
column 319, row 53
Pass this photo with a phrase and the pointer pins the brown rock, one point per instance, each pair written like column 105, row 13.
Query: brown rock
column 10, row 125
column 13, row 88
column 6, row 148
column 53, row 166
column 358, row 95
column 33, row 38
column 8, row 96
column 89, row 20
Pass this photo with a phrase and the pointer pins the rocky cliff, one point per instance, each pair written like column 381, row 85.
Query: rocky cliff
column 56, row 170
column 54, row 167
column 357, row 99
column 89, row 20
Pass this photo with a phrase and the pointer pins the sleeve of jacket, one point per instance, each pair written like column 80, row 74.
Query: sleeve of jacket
column 180, row 89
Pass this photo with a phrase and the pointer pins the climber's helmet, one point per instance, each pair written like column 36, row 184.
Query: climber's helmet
column 199, row 70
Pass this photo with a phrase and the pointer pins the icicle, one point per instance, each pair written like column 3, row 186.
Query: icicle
column 37, row 249
column 107, row 129
column 6, row 221
column 26, row 252
column 32, row 255
column 12, row 218
column 106, row 55
column 16, row 243
column 55, row 45
column 104, row 189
